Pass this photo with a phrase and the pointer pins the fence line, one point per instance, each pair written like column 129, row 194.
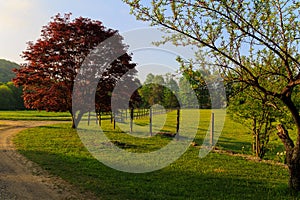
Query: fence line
column 123, row 115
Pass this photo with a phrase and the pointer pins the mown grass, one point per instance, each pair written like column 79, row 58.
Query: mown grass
column 35, row 115
column 58, row 149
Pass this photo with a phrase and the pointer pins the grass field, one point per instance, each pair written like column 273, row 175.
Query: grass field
column 58, row 149
column 35, row 115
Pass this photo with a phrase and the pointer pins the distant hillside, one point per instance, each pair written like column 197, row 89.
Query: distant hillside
column 6, row 73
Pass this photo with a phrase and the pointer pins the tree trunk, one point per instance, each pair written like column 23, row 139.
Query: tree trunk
column 76, row 120
column 73, row 121
column 292, row 149
column 292, row 159
column 255, row 135
column 257, row 147
column 294, row 179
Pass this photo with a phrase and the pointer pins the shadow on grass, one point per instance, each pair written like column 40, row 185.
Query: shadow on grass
column 234, row 145
column 49, row 127
column 176, row 181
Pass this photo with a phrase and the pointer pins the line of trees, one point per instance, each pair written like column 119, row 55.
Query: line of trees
column 159, row 90
column 10, row 97
column 173, row 92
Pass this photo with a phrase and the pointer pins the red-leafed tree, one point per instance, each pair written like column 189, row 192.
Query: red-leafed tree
column 54, row 61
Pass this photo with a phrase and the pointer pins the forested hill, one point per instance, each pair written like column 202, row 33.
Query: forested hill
column 6, row 73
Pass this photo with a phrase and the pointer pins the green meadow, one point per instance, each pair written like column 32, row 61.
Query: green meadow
column 59, row 150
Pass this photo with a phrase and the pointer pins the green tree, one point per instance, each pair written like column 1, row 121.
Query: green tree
column 171, row 93
column 145, row 90
column 255, row 43
column 17, row 96
column 7, row 100
column 160, row 90
column 249, row 107
column 196, row 79
column 153, row 89
column 185, row 92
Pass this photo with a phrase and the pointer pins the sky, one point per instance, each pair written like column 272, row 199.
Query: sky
column 22, row 20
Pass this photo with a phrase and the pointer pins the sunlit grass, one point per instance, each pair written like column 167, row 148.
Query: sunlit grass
column 35, row 115
column 58, row 149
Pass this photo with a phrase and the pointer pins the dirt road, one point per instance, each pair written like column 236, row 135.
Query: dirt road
column 23, row 179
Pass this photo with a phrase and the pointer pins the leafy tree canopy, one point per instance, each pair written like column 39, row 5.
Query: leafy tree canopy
column 10, row 97
column 55, row 59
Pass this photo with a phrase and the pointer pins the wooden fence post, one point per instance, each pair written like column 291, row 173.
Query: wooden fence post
column 212, row 129
column 89, row 117
column 150, row 115
column 100, row 118
column 114, row 122
column 178, row 123
column 131, row 119
column 96, row 118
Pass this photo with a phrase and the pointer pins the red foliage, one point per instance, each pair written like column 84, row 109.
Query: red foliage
column 54, row 60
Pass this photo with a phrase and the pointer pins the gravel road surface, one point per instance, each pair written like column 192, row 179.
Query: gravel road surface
column 21, row 179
